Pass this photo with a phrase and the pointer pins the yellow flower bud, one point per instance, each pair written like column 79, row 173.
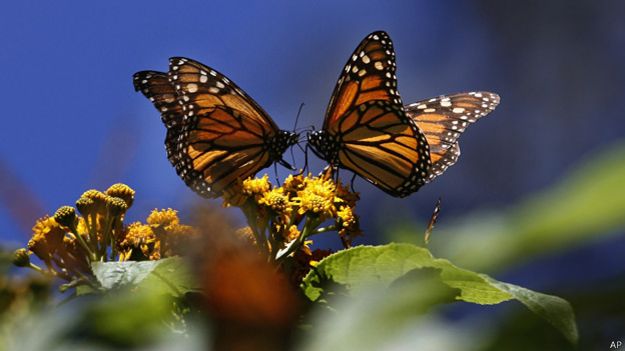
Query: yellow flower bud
column 116, row 206
column 85, row 206
column 66, row 216
column 21, row 258
column 122, row 191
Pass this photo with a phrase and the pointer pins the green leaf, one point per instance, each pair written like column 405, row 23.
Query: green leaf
column 169, row 275
column 363, row 267
column 555, row 310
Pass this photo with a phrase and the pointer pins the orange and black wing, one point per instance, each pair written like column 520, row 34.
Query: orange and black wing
column 382, row 146
column 225, row 135
column 157, row 88
column 444, row 119
column 366, row 117
column 368, row 75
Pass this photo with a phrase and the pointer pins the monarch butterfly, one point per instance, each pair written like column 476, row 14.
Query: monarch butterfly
column 368, row 131
column 216, row 133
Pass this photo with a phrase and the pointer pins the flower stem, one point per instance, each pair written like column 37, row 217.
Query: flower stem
column 106, row 236
column 83, row 243
column 309, row 226
column 35, row 267
column 252, row 219
column 91, row 220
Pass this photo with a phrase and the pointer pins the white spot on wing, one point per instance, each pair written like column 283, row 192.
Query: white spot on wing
column 192, row 88
column 458, row 110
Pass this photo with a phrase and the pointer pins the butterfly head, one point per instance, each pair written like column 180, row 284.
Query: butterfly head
column 280, row 143
column 324, row 145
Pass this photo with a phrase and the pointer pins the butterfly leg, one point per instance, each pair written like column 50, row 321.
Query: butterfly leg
column 305, row 151
column 351, row 183
column 293, row 158
column 275, row 170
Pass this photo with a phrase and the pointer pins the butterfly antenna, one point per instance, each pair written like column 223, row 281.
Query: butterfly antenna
column 299, row 111
column 306, row 128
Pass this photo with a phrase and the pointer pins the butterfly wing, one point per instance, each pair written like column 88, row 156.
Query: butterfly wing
column 156, row 87
column 225, row 134
column 443, row 119
column 365, row 115
column 202, row 88
column 368, row 75
column 384, row 148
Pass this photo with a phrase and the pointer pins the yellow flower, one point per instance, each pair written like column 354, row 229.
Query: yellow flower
column 292, row 234
column 122, row 191
column 163, row 218
column 47, row 238
column 98, row 197
column 138, row 236
column 275, row 199
column 85, row 206
column 293, row 184
column 346, row 216
column 116, row 206
column 163, row 236
column 317, row 197
column 256, row 186
column 66, row 216
column 82, row 228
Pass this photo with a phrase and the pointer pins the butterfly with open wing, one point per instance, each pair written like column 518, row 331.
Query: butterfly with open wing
column 216, row 133
column 368, row 131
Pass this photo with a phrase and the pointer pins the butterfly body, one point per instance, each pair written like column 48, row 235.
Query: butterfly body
column 278, row 145
column 325, row 146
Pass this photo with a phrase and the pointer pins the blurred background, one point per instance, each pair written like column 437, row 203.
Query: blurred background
column 536, row 199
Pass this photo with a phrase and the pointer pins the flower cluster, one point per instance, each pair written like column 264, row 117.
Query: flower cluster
column 161, row 236
column 95, row 231
column 283, row 218
column 281, row 222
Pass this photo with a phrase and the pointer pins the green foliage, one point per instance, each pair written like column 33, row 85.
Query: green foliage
column 126, row 319
column 555, row 310
column 588, row 202
column 364, row 267
column 168, row 276
column 138, row 304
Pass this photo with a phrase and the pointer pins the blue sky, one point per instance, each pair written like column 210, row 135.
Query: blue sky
column 71, row 120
